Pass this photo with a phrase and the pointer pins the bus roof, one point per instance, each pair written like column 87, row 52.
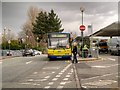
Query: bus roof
column 58, row 33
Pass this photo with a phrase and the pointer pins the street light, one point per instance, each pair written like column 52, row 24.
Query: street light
column 82, row 10
column 9, row 41
column 37, row 41
column 27, row 41
column 4, row 37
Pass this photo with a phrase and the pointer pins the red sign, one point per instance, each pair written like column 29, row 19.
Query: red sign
column 82, row 27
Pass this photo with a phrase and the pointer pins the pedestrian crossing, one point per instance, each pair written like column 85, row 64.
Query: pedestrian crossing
column 52, row 79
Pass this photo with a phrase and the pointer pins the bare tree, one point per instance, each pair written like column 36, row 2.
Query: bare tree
column 28, row 27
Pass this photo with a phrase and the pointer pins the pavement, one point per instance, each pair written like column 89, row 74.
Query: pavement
column 88, row 59
column 6, row 57
column 101, row 73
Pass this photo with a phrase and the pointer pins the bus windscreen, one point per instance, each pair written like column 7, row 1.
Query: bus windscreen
column 58, row 42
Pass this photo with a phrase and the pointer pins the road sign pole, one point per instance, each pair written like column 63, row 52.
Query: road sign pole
column 82, row 28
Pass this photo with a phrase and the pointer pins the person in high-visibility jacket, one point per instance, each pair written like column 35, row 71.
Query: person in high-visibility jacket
column 85, row 51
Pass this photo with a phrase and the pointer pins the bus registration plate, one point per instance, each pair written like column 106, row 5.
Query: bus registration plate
column 59, row 57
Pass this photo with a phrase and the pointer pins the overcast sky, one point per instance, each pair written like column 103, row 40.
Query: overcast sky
column 99, row 14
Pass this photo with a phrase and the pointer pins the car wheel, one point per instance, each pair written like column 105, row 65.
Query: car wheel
column 112, row 53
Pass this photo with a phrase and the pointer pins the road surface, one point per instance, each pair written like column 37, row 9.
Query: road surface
column 39, row 72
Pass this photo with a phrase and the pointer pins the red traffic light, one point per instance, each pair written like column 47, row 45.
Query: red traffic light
column 82, row 27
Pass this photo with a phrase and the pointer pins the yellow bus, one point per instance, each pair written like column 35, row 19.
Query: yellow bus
column 59, row 46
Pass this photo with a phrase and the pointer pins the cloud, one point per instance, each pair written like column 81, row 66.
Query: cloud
column 60, row 1
column 98, row 13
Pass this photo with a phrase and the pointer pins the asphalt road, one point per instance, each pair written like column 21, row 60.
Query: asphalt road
column 39, row 72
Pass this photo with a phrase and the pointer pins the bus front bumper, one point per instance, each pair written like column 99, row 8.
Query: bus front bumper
column 59, row 57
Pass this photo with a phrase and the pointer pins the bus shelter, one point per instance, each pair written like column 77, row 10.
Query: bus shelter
column 111, row 30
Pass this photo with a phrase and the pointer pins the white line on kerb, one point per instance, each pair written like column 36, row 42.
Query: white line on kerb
column 28, row 62
column 47, row 87
column 111, row 59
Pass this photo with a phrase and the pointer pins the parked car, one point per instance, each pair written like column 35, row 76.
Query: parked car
column 36, row 52
column 114, row 46
column 9, row 53
column 27, row 52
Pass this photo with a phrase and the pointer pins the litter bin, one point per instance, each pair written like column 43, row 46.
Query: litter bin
column 85, row 53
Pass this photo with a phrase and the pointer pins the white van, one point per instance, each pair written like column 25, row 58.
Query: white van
column 114, row 46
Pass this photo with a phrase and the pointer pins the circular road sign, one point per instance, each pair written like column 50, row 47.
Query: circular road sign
column 82, row 27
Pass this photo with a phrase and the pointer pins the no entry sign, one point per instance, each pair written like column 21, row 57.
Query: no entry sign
column 82, row 27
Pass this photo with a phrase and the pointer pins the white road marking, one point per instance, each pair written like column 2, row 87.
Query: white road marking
column 28, row 62
column 51, row 83
column 59, row 87
column 67, row 75
column 60, row 73
column 66, row 68
column 35, row 72
column 43, row 80
column 84, row 86
column 72, row 70
column 47, row 77
column 25, row 83
column 47, row 87
column 53, row 72
column 65, row 79
column 30, row 80
column 63, row 83
column 38, row 80
column 51, row 68
column 99, row 76
column 111, row 59
column 58, row 76
column 36, row 84
column 54, row 79
column 33, row 75
column 105, row 66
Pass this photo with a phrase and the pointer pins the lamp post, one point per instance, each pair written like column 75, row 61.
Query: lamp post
column 9, row 41
column 27, row 41
column 4, row 37
column 37, row 41
column 82, row 27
